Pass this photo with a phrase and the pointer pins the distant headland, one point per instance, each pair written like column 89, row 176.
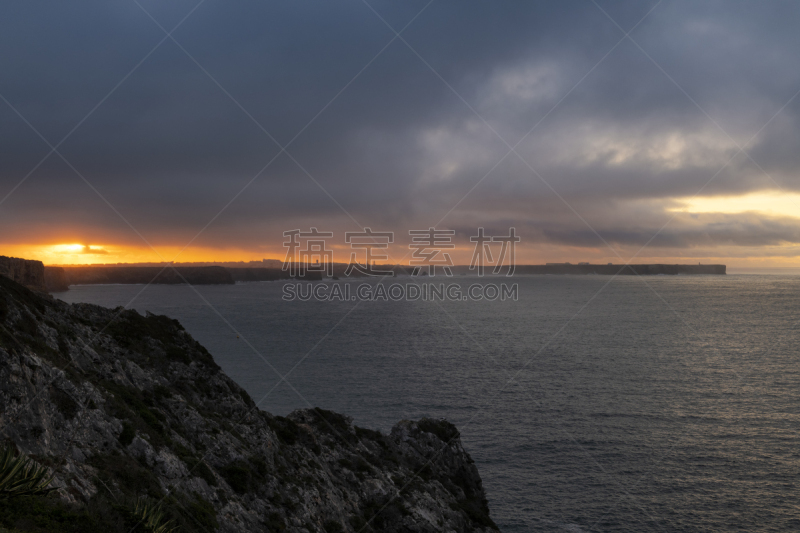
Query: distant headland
column 35, row 275
column 611, row 269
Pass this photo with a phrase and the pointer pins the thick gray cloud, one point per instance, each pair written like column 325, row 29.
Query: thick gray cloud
column 396, row 147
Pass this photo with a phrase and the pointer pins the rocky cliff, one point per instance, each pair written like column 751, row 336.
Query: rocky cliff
column 121, row 406
column 87, row 275
column 60, row 278
column 24, row 271
column 55, row 278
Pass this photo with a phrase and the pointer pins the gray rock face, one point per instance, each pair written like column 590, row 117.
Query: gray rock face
column 121, row 405
column 24, row 271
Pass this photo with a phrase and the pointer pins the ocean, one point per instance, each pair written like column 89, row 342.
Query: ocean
column 591, row 403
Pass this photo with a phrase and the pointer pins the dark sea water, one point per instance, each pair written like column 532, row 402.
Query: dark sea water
column 590, row 404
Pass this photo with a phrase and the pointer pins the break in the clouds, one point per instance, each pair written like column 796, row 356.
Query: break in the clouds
column 399, row 133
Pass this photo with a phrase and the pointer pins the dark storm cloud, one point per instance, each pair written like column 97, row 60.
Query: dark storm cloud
column 712, row 230
column 168, row 149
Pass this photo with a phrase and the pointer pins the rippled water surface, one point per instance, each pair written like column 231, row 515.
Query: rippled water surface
column 591, row 403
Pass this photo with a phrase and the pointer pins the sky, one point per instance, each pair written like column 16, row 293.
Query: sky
column 138, row 130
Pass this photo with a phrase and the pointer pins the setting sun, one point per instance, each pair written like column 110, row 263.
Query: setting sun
column 77, row 248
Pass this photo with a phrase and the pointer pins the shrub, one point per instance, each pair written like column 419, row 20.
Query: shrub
column 151, row 516
column 22, row 476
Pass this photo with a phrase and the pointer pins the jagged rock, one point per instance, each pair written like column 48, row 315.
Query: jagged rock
column 121, row 405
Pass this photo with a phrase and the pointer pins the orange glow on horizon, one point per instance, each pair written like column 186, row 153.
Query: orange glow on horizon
column 535, row 253
column 81, row 254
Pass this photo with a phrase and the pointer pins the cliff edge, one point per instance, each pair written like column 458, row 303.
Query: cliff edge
column 120, row 405
column 24, row 271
